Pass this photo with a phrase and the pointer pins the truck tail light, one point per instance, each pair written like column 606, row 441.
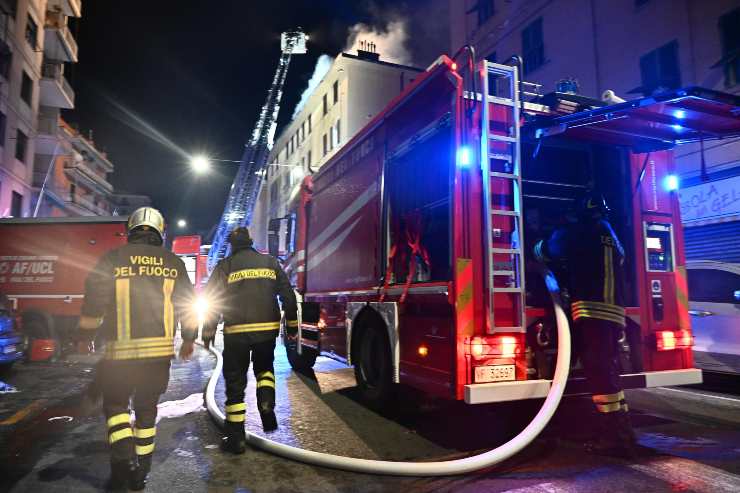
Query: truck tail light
column 494, row 347
column 668, row 340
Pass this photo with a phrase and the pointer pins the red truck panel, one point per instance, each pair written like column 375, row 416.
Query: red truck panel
column 44, row 264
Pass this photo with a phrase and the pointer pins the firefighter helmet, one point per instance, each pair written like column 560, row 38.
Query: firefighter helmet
column 593, row 204
column 240, row 236
column 147, row 218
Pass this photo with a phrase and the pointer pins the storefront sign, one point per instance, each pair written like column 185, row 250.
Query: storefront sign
column 713, row 201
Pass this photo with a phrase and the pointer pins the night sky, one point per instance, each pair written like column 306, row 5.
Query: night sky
column 158, row 80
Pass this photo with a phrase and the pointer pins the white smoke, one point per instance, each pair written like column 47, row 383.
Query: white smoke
column 390, row 42
column 323, row 64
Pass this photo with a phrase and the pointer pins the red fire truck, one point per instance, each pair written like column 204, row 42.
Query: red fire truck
column 190, row 250
column 43, row 266
column 412, row 244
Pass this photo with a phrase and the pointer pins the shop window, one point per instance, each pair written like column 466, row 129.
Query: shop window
column 533, row 46
column 660, row 69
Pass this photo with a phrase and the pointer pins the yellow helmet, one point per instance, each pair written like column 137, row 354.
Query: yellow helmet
column 147, row 216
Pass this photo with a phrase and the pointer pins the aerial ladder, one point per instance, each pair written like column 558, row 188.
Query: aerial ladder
column 252, row 169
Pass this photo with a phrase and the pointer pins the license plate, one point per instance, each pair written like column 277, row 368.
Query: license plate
column 9, row 349
column 496, row 373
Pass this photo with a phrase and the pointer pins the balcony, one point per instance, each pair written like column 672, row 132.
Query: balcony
column 59, row 44
column 55, row 91
column 71, row 8
column 82, row 172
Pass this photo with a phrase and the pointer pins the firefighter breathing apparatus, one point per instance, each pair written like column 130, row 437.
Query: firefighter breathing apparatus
column 441, row 468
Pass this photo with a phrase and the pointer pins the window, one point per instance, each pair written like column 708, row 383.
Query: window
column 326, row 149
column 26, row 88
column 339, row 135
column 730, row 37
column 32, row 32
column 6, row 59
column 72, row 190
column 533, row 46
column 326, row 106
column 21, row 143
column 303, row 131
column 3, row 122
column 308, row 159
column 420, row 214
column 16, row 205
column 659, row 69
column 336, row 91
column 332, row 137
column 274, row 193
column 485, row 11
column 712, row 285
column 309, row 124
column 9, row 6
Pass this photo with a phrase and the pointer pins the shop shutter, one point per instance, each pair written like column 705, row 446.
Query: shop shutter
column 720, row 242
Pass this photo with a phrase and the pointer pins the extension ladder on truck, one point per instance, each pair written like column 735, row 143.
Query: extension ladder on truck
column 502, row 187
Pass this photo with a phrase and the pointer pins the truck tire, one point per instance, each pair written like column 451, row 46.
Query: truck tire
column 300, row 362
column 373, row 365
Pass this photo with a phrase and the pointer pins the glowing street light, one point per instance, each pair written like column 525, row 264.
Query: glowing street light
column 181, row 223
column 200, row 164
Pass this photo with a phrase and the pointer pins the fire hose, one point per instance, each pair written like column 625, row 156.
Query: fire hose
column 442, row 468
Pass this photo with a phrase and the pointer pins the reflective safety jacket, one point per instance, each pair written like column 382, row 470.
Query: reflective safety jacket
column 595, row 262
column 140, row 291
column 244, row 288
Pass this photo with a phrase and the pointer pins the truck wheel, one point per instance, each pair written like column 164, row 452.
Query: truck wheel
column 303, row 361
column 373, row 366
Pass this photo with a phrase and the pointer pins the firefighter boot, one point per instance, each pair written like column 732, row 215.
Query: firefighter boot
column 121, row 473
column 234, row 440
column 615, row 436
column 266, row 406
column 137, row 480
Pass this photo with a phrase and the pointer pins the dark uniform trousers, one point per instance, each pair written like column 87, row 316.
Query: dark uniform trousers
column 144, row 381
column 238, row 351
column 598, row 342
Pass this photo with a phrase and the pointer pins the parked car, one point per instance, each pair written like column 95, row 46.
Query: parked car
column 714, row 305
column 11, row 343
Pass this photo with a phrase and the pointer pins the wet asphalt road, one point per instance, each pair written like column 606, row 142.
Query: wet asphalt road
column 50, row 442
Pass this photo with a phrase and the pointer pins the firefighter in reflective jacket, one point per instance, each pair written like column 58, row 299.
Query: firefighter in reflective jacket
column 136, row 295
column 594, row 260
column 243, row 289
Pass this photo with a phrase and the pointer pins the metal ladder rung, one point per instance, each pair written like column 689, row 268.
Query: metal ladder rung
column 499, row 100
column 510, row 176
column 503, row 272
column 499, row 212
column 502, row 138
column 512, row 329
column 507, row 290
column 500, row 157
column 513, row 251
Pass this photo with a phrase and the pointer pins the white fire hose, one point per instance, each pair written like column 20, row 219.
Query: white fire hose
column 443, row 468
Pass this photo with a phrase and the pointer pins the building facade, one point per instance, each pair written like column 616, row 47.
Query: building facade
column 354, row 90
column 73, row 179
column 35, row 45
column 635, row 48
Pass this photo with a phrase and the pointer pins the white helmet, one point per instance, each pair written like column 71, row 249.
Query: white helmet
column 147, row 216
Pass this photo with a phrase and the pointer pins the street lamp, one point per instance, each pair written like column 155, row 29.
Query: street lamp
column 200, row 164
column 181, row 223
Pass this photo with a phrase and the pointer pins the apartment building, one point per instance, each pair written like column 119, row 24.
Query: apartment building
column 635, row 48
column 355, row 89
column 35, row 45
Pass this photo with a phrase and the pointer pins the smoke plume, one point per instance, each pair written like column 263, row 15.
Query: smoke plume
column 390, row 40
column 323, row 64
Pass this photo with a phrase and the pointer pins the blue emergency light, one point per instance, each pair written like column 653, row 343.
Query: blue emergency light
column 464, row 157
column 671, row 183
